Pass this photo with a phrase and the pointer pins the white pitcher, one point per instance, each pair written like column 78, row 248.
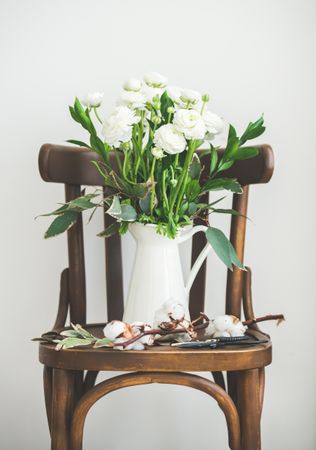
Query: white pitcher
column 157, row 273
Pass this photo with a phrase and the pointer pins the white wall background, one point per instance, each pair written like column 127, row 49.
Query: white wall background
column 252, row 57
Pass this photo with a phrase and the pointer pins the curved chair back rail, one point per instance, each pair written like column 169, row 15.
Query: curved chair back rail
column 72, row 166
column 133, row 379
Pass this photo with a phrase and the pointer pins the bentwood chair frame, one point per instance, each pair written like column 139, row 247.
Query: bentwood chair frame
column 70, row 375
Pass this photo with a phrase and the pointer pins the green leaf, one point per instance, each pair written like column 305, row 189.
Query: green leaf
column 110, row 230
column 115, row 208
column 98, row 145
column 80, row 143
column 144, row 203
column 74, row 114
column 232, row 144
column 123, row 227
column 128, row 213
column 104, row 342
column 223, row 247
column 192, row 190
column 71, row 342
column 84, row 117
column 233, row 212
column 214, row 159
column 245, row 153
column 253, row 130
column 165, row 102
column 81, row 203
column 217, row 184
column 195, row 167
column 62, row 223
column 225, row 165
column 193, row 207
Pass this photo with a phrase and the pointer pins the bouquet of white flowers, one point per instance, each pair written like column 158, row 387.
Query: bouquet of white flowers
column 154, row 132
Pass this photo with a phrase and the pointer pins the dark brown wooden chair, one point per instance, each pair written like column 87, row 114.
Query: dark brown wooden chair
column 70, row 375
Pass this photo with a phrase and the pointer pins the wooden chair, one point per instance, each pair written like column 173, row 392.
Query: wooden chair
column 70, row 375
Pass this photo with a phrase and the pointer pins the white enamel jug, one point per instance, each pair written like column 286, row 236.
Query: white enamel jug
column 157, row 273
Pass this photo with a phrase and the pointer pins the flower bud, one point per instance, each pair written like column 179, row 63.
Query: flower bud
column 156, row 120
column 93, row 100
column 205, row 98
column 132, row 85
column 170, row 110
column 157, row 152
column 173, row 182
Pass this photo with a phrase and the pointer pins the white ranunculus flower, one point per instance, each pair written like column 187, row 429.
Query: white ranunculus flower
column 154, row 79
column 213, row 123
column 150, row 92
column 190, row 123
column 174, row 93
column 157, row 152
column 133, row 84
column 93, row 100
column 117, row 128
column 190, row 96
column 132, row 99
column 169, row 139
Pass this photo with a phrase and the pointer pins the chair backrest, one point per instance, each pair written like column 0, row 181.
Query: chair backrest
column 72, row 167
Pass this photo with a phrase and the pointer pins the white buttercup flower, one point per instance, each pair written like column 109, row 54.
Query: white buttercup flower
column 151, row 92
column 93, row 100
column 157, row 152
column 117, row 128
column 169, row 139
column 213, row 124
column 133, row 84
column 190, row 123
column 174, row 93
column 190, row 96
column 132, row 99
column 155, row 79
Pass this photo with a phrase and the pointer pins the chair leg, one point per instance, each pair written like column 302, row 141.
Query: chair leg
column 63, row 396
column 249, row 408
column 48, row 380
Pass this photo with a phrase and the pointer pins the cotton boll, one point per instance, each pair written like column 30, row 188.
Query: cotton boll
column 116, row 328
column 221, row 334
column 210, row 330
column 160, row 317
column 174, row 310
column 140, row 327
column 237, row 329
column 222, row 323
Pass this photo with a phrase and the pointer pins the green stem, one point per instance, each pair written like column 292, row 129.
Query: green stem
column 164, row 192
column 118, row 159
column 152, row 199
column 183, row 176
column 97, row 115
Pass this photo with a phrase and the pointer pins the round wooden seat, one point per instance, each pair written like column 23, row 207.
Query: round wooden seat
column 157, row 358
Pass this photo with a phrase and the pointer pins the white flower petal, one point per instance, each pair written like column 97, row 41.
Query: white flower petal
column 169, row 139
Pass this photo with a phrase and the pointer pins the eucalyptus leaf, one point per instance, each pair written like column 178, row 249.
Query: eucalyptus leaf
column 71, row 342
column 104, row 342
column 223, row 247
column 144, row 203
column 128, row 213
column 62, row 223
column 195, row 167
column 115, row 209
column 110, row 230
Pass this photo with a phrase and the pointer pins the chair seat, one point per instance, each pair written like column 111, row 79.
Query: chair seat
column 157, row 358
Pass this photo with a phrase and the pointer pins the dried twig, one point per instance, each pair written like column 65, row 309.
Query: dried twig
column 279, row 317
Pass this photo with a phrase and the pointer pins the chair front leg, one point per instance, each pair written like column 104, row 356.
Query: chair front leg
column 63, row 396
column 249, row 407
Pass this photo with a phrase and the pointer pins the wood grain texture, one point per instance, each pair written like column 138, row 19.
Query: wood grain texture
column 48, row 392
column 62, row 408
column 77, row 277
column 133, row 379
column 72, row 165
column 63, row 305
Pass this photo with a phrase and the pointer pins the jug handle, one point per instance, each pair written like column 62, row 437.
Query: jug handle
column 199, row 260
